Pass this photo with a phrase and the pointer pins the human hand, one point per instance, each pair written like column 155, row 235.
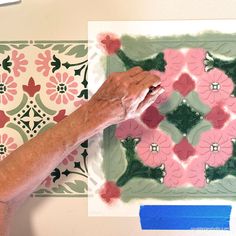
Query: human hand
column 127, row 94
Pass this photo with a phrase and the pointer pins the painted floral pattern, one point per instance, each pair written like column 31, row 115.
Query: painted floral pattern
column 154, row 148
column 19, row 63
column 195, row 61
column 7, row 145
column 43, row 62
column 129, row 128
column 214, row 87
column 62, row 88
column 189, row 131
column 7, row 88
column 37, row 80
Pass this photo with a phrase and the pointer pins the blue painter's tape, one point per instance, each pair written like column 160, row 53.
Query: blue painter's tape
column 185, row 217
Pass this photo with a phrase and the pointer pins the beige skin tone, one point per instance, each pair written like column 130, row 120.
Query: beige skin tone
column 123, row 95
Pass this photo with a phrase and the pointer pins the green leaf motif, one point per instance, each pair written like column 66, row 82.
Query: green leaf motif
column 20, row 46
column 78, row 51
column 194, row 100
column 114, row 162
column 60, row 189
column 171, row 104
column 43, row 46
column 4, row 48
column 78, row 186
column 171, row 130
column 6, row 64
column 83, row 93
column 42, row 191
column 60, row 48
column 195, row 133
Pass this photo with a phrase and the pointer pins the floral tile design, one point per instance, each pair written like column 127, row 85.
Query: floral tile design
column 183, row 145
column 42, row 82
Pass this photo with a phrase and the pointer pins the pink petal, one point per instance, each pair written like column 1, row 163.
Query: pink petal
column 174, row 174
column 195, row 173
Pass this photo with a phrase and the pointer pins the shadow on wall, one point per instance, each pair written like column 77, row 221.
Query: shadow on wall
column 22, row 223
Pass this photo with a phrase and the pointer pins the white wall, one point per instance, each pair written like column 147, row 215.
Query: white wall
column 67, row 19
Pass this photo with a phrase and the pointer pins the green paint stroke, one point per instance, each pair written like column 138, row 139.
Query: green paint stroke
column 139, row 188
column 143, row 46
column 20, row 107
column 194, row 101
column 114, row 163
column 136, row 168
column 195, row 133
column 19, row 130
column 173, row 102
column 43, row 107
column 113, row 64
column 154, row 63
column 171, row 130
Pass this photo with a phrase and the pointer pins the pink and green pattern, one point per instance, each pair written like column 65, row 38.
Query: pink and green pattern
column 183, row 145
column 42, row 82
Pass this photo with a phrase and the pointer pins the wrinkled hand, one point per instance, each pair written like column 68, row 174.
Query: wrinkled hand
column 127, row 94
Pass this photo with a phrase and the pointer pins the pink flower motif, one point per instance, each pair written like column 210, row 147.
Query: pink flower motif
column 231, row 129
column 47, row 182
column 7, row 145
column 3, row 119
column 7, row 88
column 19, row 63
column 175, row 62
column 43, row 62
column 231, row 103
column 195, row 173
column 195, row 61
column 62, row 88
column 174, row 174
column 151, row 117
column 184, row 84
column 79, row 103
column 214, row 147
column 71, row 157
column 217, row 116
column 184, row 150
column 214, row 87
column 110, row 43
column 154, row 148
column 129, row 128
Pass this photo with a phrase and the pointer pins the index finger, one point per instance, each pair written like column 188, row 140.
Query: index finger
column 133, row 71
column 150, row 80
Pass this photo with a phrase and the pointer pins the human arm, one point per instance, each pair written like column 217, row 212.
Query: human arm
column 122, row 96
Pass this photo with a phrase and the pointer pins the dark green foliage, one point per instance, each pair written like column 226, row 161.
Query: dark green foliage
column 214, row 173
column 155, row 63
column 183, row 118
column 135, row 168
